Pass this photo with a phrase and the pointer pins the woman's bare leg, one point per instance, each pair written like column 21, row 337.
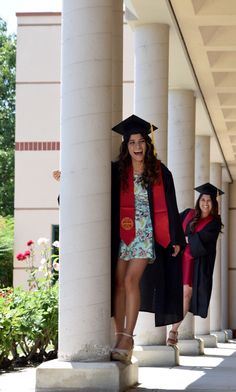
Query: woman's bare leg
column 119, row 300
column 187, row 298
column 133, row 275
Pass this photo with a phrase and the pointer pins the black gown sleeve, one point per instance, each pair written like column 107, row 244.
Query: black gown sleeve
column 201, row 241
column 203, row 249
column 176, row 231
column 183, row 214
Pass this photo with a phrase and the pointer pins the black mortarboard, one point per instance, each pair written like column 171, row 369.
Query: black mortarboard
column 133, row 125
column 209, row 189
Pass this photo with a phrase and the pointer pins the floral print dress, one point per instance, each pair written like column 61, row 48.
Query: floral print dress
column 142, row 247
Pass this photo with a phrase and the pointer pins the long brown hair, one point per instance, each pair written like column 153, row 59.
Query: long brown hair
column 151, row 173
column 214, row 212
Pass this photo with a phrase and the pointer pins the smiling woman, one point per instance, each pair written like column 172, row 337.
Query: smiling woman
column 145, row 228
column 137, row 151
column 202, row 226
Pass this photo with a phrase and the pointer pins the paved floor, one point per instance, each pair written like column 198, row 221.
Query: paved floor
column 214, row 371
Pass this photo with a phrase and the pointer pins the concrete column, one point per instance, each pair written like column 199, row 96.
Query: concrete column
column 215, row 304
column 151, row 42
column 151, row 79
column 117, row 86
column 117, row 72
column 202, row 160
column 202, row 175
column 85, row 157
column 181, row 145
column 181, row 152
column 86, row 113
column 225, row 256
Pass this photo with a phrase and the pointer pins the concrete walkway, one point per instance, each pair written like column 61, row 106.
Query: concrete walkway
column 214, row 371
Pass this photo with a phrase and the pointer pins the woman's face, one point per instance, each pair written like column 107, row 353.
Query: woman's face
column 205, row 204
column 137, row 147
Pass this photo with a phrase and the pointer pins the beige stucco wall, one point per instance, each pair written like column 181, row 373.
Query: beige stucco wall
column 34, row 185
column 37, row 111
column 37, row 120
column 38, row 48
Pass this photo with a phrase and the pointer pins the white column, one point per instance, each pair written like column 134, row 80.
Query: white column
column 151, row 79
column 181, row 152
column 202, row 175
column 225, row 256
column 181, row 145
column 117, row 85
column 215, row 303
column 151, row 103
column 85, row 157
column 117, row 72
column 202, row 159
column 86, row 113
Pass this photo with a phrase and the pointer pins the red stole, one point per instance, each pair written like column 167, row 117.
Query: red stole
column 160, row 213
column 127, row 210
column 200, row 225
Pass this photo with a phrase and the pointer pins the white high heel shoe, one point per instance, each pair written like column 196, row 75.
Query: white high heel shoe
column 120, row 354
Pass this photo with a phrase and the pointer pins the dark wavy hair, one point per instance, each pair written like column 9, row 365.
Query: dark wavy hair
column 151, row 173
column 214, row 212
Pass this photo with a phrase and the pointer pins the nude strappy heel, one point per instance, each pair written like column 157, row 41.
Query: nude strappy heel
column 172, row 339
column 120, row 354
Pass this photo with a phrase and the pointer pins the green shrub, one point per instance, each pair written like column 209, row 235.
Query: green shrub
column 6, row 316
column 29, row 318
column 28, row 323
column 6, row 251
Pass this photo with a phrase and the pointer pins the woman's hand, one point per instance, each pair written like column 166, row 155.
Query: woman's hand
column 176, row 250
column 56, row 174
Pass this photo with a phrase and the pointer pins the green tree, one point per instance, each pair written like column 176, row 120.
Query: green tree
column 7, row 119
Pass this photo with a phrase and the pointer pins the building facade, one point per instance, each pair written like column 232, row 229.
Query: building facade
column 174, row 66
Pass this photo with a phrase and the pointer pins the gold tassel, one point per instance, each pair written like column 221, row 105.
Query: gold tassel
column 152, row 137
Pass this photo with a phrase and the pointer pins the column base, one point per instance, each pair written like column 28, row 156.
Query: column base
column 191, row 346
column 220, row 336
column 229, row 334
column 60, row 376
column 151, row 356
column 209, row 341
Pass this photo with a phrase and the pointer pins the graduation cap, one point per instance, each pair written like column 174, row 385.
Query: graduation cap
column 209, row 189
column 133, row 125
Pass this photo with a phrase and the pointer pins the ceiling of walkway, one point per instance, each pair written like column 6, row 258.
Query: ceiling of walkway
column 203, row 58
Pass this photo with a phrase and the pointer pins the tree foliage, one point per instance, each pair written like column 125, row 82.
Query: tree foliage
column 7, row 119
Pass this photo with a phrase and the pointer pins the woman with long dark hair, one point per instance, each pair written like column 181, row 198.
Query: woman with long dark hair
column 202, row 226
column 146, row 237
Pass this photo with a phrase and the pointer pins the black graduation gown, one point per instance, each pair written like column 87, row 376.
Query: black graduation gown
column 161, row 284
column 203, row 249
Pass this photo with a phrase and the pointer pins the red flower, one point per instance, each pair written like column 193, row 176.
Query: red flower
column 30, row 242
column 20, row 257
column 27, row 253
